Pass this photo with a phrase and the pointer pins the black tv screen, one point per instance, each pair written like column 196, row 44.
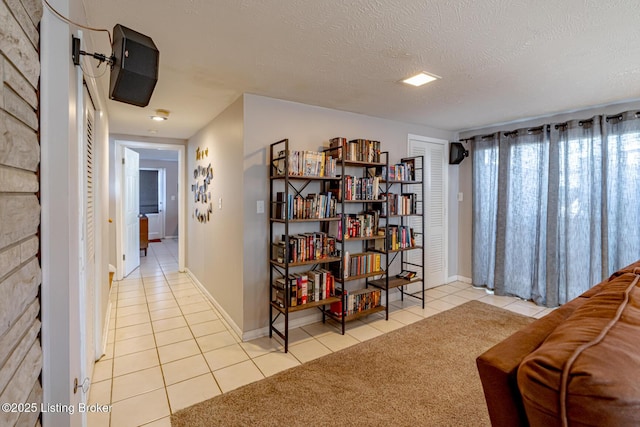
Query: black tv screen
column 457, row 153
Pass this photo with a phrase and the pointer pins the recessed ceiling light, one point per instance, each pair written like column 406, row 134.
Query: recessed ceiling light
column 420, row 79
column 160, row 115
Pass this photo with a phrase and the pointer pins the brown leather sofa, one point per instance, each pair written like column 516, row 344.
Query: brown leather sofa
column 577, row 366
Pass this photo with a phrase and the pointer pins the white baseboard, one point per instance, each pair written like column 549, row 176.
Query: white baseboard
column 459, row 279
column 170, row 237
column 105, row 329
column 316, row 316
column 215, row 303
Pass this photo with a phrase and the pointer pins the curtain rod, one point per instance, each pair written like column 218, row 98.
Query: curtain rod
column 619, row 116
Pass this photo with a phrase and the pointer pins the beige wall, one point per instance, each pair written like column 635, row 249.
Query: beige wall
column 20, row 274
column 268, row 120
column 215, row 249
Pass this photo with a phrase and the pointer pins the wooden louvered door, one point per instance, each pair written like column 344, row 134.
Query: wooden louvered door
column 434, row 196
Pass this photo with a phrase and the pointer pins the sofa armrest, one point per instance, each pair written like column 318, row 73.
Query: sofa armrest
column 498, row 366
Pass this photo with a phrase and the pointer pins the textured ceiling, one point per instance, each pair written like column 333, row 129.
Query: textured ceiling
column 500, row 60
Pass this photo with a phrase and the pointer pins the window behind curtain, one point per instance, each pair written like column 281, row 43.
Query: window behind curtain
column 565, row 212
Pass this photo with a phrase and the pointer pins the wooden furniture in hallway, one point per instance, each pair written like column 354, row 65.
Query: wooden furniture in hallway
column 144, row 233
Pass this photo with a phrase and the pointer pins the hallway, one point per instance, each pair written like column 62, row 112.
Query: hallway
column 169, row 348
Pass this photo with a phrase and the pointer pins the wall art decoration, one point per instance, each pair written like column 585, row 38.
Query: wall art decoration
column 203, row 176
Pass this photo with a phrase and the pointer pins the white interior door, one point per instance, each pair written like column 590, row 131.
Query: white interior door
column 131, row 256
column 434, row 192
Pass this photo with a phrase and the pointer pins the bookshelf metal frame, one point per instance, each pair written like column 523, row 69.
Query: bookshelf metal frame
column 380, row 279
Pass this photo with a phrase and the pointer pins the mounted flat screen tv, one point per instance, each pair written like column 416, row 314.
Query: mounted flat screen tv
column 457, row 153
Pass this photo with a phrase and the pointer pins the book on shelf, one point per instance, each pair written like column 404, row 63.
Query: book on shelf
column 361, row 188
column 340, row 144
column 404, row 171
column 398, row 237
column 312, row 206
column 305, row 163
column 304, row 287
column 310, row 246
column 363, row 224
column 359, row 150
column 399, row 204
column 406, row 274
column 356, row 302
column 360, row 264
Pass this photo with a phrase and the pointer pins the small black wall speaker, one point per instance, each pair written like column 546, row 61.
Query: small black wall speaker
column 457, row 153
column 135, row 70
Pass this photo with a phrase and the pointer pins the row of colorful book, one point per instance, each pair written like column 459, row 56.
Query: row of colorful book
column 358, row 150
column 398, row 237
column 404, row 171
column 313, row 206
column 359, row 264
column 304, row 288
column 364, row 224
column 400, row 204
column 305, row 247
column 357, row 302
column 306, row 163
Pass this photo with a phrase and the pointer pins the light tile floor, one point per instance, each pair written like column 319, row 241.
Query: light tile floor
column 169, row 348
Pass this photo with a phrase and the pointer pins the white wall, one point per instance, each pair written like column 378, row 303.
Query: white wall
column 214, row 249
column 61, row 206
column 268, row 120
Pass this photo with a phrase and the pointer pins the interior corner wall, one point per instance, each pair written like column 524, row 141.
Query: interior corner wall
column 214, row 248
column 267, row 120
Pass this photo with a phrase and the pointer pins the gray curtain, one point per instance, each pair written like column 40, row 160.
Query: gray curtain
column 556, row 208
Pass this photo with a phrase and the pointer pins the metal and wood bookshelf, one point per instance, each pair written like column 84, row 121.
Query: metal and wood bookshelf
column 360, row 261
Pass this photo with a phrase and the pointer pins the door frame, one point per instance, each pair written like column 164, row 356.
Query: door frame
column 119, row 206
column 162, row 195
column 445, row 178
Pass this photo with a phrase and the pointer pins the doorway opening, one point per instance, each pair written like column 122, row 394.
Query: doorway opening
column 174, row 195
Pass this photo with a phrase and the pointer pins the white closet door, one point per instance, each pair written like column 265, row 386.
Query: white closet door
column 434, row 205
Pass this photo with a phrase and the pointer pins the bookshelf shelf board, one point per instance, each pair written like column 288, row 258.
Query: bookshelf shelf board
column 334, row 218
column 360, row 276
column 399, row 216
column 364, row 238
column 394, row 282
column 309, row 262
column 365, row 164
column 390, row 251
column 362, row 201
column 306, row 178
column 301, row 307
column 355, row 316
column 400, row 182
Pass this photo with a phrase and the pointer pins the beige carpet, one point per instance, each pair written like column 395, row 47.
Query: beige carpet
column 423, row 374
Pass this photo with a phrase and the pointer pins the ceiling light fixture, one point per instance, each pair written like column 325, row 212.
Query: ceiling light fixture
column 160, row 116
column 420, row 79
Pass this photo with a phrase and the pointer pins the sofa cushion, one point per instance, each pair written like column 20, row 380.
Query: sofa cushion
column 498, row 366
column 598, row 347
